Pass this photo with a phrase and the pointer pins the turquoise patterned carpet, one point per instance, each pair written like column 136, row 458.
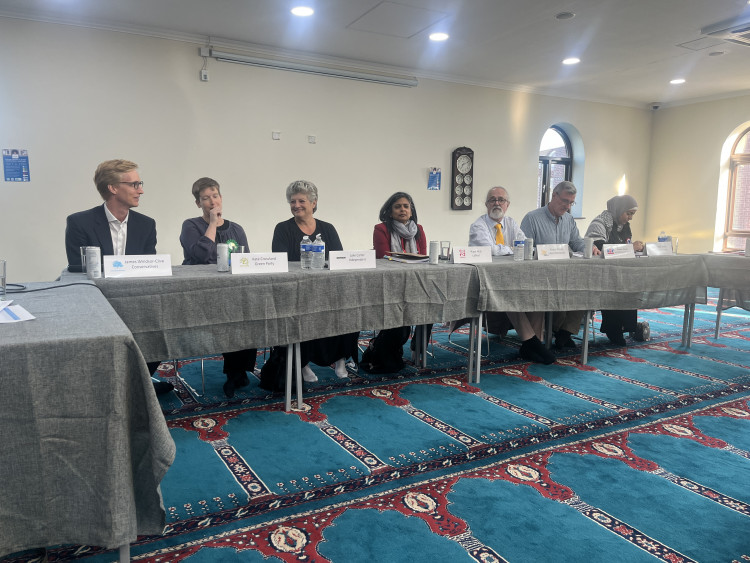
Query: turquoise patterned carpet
column 643, row 454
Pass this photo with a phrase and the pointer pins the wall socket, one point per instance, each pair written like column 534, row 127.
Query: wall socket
column 204, row 75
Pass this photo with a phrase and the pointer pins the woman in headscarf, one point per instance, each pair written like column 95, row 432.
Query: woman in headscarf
column 613, row 227
column 398, row 231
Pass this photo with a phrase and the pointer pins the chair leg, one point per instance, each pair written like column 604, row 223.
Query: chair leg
column 548, row 329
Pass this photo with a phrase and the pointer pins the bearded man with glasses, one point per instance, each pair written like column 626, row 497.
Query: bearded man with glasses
column 113, row 226
column 498, row 231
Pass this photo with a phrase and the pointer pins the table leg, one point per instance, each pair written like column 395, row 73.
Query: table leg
column 472, row 332
column 478, row 344
column 690, row 327
column 125, row 553
column 298, row 369
column 288, row 386
column 719, row 307
column 585, row 348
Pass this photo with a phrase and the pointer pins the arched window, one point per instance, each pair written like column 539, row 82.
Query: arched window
column 555, row 163
column 737, row 228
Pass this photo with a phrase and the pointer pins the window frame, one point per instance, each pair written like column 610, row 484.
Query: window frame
column 547, row 161
column 735, row 161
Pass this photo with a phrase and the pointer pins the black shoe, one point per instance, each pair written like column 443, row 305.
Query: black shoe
column 229, row 388
column 534, row 351
column 563, row 340
column 616, row 338
column 241, row 380
column 162, row 387
column 642, row 332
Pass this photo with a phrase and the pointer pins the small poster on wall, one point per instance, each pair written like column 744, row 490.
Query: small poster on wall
column 16, row 165
column 433, row 182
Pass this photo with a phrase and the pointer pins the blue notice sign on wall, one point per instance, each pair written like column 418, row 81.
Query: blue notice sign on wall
column 16, row 165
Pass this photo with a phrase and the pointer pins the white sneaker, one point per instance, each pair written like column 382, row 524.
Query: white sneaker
column 340, row 368
column 308, row 374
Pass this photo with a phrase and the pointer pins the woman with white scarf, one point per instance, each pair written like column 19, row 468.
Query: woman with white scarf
column 613, row 227
column 398, row 231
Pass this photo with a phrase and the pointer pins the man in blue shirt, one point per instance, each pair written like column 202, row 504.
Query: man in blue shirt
column 553, row 224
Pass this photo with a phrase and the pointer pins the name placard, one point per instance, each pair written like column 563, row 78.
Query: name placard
column 351, row 259
column 610, row 251
column 137, row 266
column 552, row 252
column 471, row 254
column 259, row 262
column 659, row 248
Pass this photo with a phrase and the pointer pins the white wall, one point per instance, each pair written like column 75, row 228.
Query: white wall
column 75, row 97
column 685, row 174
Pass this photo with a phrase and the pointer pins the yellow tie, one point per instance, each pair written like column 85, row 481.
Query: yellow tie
column 499, row 238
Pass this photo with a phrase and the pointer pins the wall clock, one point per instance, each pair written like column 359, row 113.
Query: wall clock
column 462, row 174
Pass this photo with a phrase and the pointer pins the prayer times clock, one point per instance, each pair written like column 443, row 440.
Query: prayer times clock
column 462, row 178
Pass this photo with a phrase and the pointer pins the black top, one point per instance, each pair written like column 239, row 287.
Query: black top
column 287, row 236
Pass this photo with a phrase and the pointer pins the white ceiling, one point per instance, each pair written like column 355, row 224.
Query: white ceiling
column 629, row 49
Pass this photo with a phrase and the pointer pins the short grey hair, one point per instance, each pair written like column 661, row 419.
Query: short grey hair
column 303, row 187
column 507, row 193
column 567, row 187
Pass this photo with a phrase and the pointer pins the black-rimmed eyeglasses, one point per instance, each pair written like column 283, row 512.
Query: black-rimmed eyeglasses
column 500, row 200
column 134, row 185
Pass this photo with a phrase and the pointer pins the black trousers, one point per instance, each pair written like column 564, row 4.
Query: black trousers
column 619, row 321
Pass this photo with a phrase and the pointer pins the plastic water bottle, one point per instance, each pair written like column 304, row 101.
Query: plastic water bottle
column 518, row 248
column 662, row 237
column 305, row 252
column 318, row 253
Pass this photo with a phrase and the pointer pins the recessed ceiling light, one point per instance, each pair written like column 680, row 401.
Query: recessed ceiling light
column 677, row 81
column 439, row 36
column 565, row 15
column 303, row 11
column 571, row 61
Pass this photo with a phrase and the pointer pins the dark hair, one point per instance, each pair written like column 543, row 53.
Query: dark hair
column 201, row 184
column 385, row 211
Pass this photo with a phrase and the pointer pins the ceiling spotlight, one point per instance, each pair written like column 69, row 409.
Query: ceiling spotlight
column 565, row 16
column 571, row 61
column 677, row 81
column 717, row 53
column 438, row 36
column 303, row 11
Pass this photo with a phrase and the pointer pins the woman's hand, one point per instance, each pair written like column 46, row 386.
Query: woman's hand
column 638, row 246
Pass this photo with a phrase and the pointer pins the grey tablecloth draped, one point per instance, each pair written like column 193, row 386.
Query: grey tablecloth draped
column 731, row 273
column 83, row 442
column 200, row 311
column 578, row 284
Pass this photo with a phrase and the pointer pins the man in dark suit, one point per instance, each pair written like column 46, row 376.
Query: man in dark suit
column 114, row 227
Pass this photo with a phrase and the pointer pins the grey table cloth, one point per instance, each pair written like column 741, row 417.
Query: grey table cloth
column 83, row 442
column 199, row 311
column 595, row 284
column 731, row 273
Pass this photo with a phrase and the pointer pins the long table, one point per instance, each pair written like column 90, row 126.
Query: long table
column 595, row 284
column 731, row 274
column 199, row 311
column 83, row 442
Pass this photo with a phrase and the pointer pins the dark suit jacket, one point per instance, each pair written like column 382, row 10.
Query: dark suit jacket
column 90, row 228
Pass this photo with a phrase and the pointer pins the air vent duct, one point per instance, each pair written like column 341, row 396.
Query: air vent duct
column 736, row 30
